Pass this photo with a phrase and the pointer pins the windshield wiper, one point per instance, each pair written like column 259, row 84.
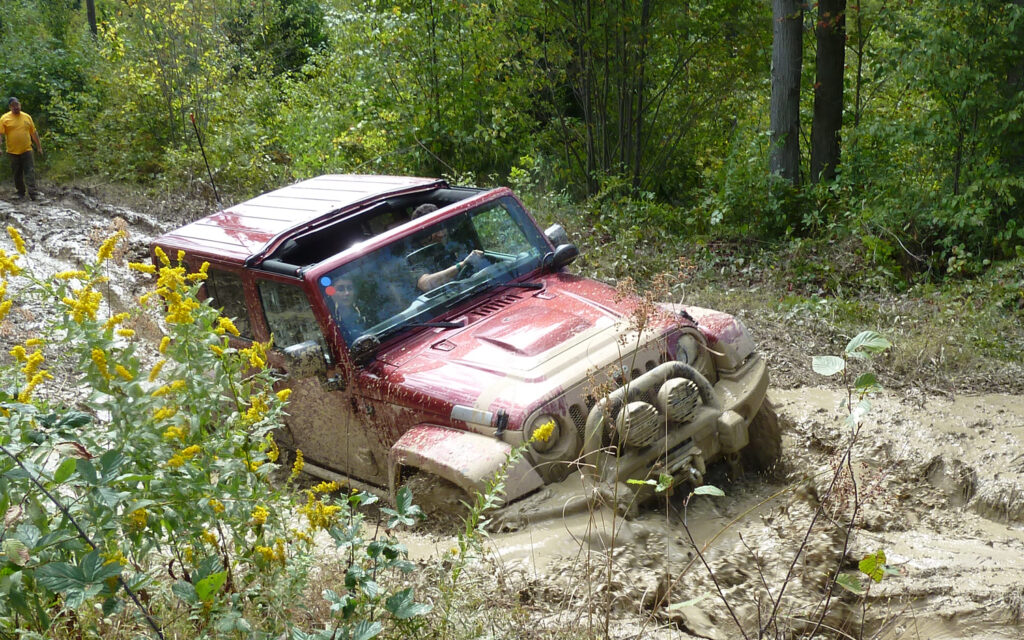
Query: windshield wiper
column 443, row 325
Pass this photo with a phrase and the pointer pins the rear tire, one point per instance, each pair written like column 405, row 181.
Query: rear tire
column 765, row 448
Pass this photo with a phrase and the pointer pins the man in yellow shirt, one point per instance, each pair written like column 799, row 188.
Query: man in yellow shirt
column 20, row 132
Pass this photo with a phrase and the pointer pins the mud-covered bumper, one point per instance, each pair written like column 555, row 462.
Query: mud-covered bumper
column 640, row 430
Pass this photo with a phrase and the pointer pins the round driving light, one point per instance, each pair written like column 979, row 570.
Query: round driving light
column 688, row 349
column 677, row 399
column 638, row 424
column 543, row 432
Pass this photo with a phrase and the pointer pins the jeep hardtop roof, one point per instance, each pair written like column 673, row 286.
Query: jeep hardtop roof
column 275, row 226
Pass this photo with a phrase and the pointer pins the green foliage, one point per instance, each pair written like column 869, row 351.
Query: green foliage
column 167, row 473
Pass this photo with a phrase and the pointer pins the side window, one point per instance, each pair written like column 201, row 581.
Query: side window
column 289, row 316
column 225, row 290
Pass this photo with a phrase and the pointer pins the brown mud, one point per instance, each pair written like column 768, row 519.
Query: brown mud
column 937, row 485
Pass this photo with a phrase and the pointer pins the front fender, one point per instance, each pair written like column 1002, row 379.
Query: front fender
column 466, row 459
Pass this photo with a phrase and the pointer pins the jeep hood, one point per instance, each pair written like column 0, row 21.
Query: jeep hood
column 519, row 345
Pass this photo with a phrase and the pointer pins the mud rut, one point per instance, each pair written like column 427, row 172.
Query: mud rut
column 940, row 489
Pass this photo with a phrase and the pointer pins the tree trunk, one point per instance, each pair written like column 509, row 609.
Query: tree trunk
column 784, row 110
column 828, row 89
column 90, row 12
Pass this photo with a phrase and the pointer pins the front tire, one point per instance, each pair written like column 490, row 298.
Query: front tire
column 765, row 447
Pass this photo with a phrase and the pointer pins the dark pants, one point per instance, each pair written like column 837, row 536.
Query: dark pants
column 23, row 167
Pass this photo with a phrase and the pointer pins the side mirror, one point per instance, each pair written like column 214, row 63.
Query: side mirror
column 363, row 349
column 557, row 235
column 305, row 360
column 562, row 256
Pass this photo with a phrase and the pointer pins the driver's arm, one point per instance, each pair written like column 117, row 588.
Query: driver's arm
column 429, row 281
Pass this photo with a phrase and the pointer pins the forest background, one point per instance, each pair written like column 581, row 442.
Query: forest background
column 651, row 119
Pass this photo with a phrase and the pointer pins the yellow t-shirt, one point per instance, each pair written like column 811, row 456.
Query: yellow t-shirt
column 18, row 129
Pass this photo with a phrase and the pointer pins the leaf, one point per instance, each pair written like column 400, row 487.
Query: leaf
column 873, row 565
column 640, row 482
column 402, row 606
column 867, row 343
column 688, row 603
column 65, row 470
column 827, row 365
column 59, row 576
column 866, row 382
column 851, row 583
column 708, row 490
column 186, row 591
column 366, row 630
column 16, row 551
column 70, row 449
column 664, row 483
column 13, row 515
column 210, row 585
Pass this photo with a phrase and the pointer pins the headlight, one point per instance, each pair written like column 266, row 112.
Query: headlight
column 543, row 433
column 688, row 349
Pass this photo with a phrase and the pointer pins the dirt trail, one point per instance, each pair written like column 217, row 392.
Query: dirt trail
column 940, row 482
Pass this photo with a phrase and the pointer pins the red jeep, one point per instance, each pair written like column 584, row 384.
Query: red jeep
column 430, row 340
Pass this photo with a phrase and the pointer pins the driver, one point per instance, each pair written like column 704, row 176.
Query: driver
column 341, row 295
column 427, row 280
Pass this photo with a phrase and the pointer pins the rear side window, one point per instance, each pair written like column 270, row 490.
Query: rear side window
column 289, row 316
column 225, row 290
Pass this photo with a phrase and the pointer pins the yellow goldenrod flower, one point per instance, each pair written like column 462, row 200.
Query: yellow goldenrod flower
column 5, row 308
column 68, row 275
column 192, row 451
column 175, row 432
column 107, row 248
column 208, row 537
column 155, row 371
column 124, row 373
column 137, row 519
column 266, row 552
column 164, row 342
column 143, row 267
column 161, row 391
column 164, row 260
column 32, row 363
column 543, row 432
column 257, row 354
column 217, row 349
column 177, row 385
column 257, row 409
column 225, row 325
column 34, row 342
column 164, row 412
column 259, row 514
column 326, row 487
column 126, row 333
column 284, row 394
column 255, row 464
column 114, row 556
column 273, row 451
column 216, row 505
column 7, row 265
column 19, row 244
column 36, row 380
column 85, row 304
column 100, row 360
column 297, row 466
column 175, row 461
column 18, row 353
column 115, row 320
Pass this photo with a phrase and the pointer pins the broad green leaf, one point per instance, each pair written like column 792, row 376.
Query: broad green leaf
column 402, row 606
column 60, row 576
column 873, row 565
column 640, row 482
column 866, row 343
column 366, row 630
column 65, row 470
column 851, row 583
column 866, row 382
column 708, row 490
column 16, row 551
column 827, row 365
column 210, row 585
column 95, row 569
column 186, row 591
column 664, row 483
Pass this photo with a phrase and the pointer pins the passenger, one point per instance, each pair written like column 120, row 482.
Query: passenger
column 341, row 295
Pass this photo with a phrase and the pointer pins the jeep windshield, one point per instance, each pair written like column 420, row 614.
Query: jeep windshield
column 422, row 275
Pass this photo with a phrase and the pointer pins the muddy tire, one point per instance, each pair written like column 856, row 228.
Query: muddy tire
column 441, row 500
column 765, row 448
